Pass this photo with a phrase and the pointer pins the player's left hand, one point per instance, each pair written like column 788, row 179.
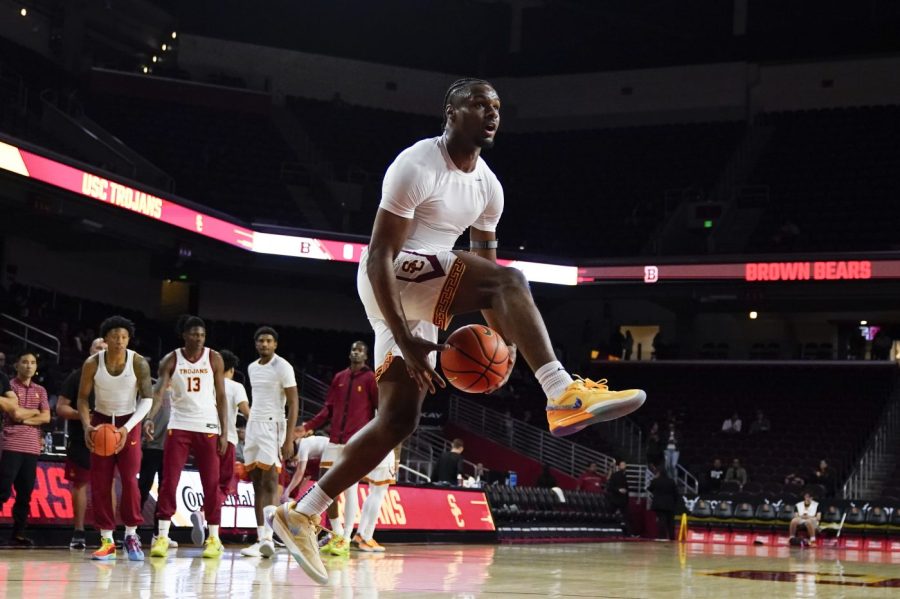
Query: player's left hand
column 287, row 450
column 513, row 353
column 123, row 438
column 223, row 444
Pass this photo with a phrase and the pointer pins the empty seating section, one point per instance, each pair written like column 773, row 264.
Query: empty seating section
column 228, row 160
column 828, row 168
column 533, row 506
column 817, row 412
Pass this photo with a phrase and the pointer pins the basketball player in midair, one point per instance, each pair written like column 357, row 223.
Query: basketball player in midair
column 411, row 283
column 267, row 444
column 198, row 425
column 117, row 376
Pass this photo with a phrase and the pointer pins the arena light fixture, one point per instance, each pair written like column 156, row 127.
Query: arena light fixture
column 753, row 314
column 174, row 35
column 145, row 69
column 24, row 12
column 165, row 47
column 863, row 323
column 155, row 58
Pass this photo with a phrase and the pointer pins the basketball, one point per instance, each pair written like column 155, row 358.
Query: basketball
column 477, row 360
column 105, row 438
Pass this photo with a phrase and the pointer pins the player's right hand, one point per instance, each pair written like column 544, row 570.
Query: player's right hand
column 149, row 429
column 89, row 437
column 415, row 355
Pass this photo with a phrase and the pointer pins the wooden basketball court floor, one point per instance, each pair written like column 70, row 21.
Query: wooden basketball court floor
column 602, row 570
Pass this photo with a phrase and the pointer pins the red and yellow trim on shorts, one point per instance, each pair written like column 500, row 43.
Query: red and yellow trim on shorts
column 442, row 315
column 384, row 366
column 261, row 466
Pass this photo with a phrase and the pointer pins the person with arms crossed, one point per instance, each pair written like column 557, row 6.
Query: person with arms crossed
column 116, row 376
column 20, row 442
column 267, row 444
column 411, row 283
column 350, row 404
column 197, row 425
column 78, row 458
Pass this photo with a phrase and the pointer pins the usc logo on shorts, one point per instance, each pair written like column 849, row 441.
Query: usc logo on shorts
column 418, row 268
column 412, row 266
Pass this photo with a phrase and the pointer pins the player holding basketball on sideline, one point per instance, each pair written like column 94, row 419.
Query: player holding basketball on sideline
column 350, row 404
column 411, row 282
column 198, row 425
column 267, row 444
column 117, row 376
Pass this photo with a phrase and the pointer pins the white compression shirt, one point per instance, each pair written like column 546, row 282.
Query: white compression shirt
column 425, row 185
column 268, row 382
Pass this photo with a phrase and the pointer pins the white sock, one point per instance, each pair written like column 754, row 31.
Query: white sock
column 370, row 510
column 351, row 509
column 163, row 528
column 130, row 530
column 260, row 533
column 313, row 502
column 337, row 525
column 106, row 534
column 553, row 379
column 214, row 530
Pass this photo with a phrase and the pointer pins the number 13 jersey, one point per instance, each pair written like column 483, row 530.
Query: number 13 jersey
column 194, row 408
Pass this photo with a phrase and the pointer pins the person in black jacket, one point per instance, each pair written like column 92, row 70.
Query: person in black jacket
column 617, row 491
column 665, row 499
column 450, row 464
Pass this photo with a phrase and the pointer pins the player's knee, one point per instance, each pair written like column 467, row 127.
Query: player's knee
column 512, row 280
column 401, row 424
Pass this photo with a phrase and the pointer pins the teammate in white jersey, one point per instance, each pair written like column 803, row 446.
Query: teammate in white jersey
column 198, row 424
column 411, row 282
column 266, row 443
column 116, row 376
column 237, row 402
column 308, row 448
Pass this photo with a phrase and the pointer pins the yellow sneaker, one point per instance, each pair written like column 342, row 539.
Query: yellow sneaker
column 107, row 551
column 213, row 548
column 338, row 546
column 160, row 547
column 298, row 533
column 586, row 402
column 370, row 546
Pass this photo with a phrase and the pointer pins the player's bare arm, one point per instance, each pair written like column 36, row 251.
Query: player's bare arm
column 145, row 390
column 293, row 405
column 389, row 233
column 166, row 368
column 218, row 366
column 85, row 386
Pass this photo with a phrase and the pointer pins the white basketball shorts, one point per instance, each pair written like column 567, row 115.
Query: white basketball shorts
column 428, row 284
column 262, row 443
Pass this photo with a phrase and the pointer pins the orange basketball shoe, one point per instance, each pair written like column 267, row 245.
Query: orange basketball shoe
column 586, row 402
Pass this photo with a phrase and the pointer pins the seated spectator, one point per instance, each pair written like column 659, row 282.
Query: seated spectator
column 761, row 424
column 737, row 472
column 808, row 515
column 546, row 479
column 591, row 480
column 824, row 476
column 732, row 426
column 793, row 480
column 714, row 476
